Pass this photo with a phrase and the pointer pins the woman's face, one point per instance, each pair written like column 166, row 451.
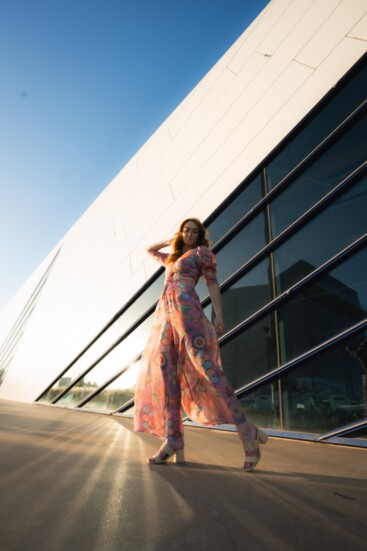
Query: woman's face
column 190, row 235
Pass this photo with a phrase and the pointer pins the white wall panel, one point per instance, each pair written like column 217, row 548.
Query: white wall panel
column 144, row 197
column 315, row 87
column 305, row 28
column 269, row 18
column 222, row 157
column 335, row 28
column 210, row 98
column 167, row 165
column 291, row 16
column 119, row 296
column 238, row 127
column 360, row 30
column 192, row 139
column 161, row 204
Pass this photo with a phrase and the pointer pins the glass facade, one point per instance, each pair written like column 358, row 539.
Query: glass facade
column 292, row 265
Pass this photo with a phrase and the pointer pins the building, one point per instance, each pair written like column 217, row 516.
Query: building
column 269, row 150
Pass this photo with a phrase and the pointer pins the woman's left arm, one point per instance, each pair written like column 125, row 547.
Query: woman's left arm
column 216, row 299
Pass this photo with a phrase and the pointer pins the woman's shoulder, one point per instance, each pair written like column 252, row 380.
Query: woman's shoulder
column 207, row 264
column 205, row 254
column 203, row 250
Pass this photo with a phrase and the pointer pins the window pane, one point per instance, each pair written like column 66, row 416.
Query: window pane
column 341, row 223
column 130, row 412
column 91, row 355
column 245, row 297
column 54, row 391
column 120, row 391
column 330, row 305
column 242, row 247
column 324, row 174
column 261, row 406
column 236, row 210
column 361, row 434
column 128, row 318
column 327, row 392
column 113, row 362
column 324, row 122
column 146, row 299
column 250, row 354
column 140, row 305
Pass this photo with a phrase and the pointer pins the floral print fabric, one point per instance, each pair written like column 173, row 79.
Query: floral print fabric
column 181, row 365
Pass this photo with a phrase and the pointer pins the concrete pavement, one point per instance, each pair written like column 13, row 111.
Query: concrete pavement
column 79, row 481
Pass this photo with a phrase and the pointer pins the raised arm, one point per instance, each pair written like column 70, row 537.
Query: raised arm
column 160, row 245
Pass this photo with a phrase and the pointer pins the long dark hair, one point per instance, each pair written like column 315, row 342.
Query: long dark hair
column 178, row 243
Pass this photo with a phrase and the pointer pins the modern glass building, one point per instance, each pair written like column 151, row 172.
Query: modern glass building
column 272, row 146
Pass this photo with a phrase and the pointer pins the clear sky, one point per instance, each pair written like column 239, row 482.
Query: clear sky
column 83, row 84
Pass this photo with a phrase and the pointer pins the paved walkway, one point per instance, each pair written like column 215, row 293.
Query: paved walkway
column 79, row 481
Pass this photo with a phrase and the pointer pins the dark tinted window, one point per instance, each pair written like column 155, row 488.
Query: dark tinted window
column 335, row 164
column 324, row 122
column 341, row 223
column 236, row 210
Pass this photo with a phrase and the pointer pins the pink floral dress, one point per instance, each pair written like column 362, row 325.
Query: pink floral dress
column 181, row 365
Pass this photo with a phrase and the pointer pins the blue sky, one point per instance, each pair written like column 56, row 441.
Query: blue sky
column 83, row 84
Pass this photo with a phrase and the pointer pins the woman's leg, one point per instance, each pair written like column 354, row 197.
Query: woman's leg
column 173, row 426
column 173, row 410
column 249, row 435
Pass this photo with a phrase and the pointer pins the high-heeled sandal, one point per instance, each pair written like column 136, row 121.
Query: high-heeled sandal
column 165, row 453
column 251, row 446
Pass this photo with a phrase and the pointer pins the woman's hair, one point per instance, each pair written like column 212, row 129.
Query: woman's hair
column 178, row 243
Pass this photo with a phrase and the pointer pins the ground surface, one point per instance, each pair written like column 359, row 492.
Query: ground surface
column 79, row 481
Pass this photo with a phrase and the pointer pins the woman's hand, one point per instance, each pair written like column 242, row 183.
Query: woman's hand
column 214, row 293
column 219, row 324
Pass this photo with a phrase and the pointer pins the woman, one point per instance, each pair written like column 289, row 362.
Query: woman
column 181, row 365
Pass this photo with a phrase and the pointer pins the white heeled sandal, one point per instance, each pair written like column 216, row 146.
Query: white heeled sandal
column 164, row 455
column 251, row 446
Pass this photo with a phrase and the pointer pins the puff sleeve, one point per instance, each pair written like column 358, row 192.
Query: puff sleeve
column 159, row 257
column 208, row 265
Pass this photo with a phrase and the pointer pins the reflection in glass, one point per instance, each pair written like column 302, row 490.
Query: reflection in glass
column 323, row 123
column 60, row 385
column 261, row 406
column 245, row 297
column 326, row 392
column 128, row 318
column 236, row 210
column 120, row 391
column 251, row 353
column 341, row 223
column 359, row 352
column 332, row 304
column 85, row 361
column 201, row 289
column 361, row 434
column 130, row 412
column 243, row 246
column 111, row 364
column 141, row 305
column 335, row 164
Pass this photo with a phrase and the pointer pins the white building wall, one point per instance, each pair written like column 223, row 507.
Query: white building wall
column 283, row 64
